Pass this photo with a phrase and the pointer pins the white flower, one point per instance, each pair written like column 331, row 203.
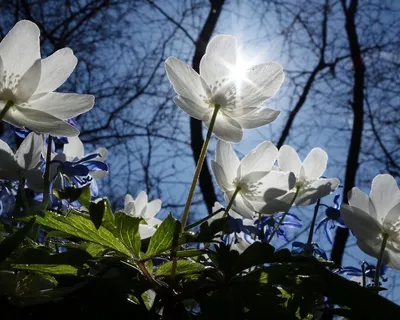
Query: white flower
column 375, row 216
column 249, row 175
column 141, row 208
column 239, row 99
column 26, row 158
column 218, row 207
column 307, row 176
column 27, row 84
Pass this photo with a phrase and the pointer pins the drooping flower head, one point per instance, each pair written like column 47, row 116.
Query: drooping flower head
column 375, row 217
column 308, row 181
column 16, row 165
column 231, row 173
column 27, row 83
column 239, row 99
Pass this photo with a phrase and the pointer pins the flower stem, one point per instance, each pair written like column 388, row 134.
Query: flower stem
column 7, row 107
column 21, row 186
column 311, row 233
column 283, row 216
column 46, row 183
column 379, row 264
column 198, row 168
column 231, row 201
column 194, row 224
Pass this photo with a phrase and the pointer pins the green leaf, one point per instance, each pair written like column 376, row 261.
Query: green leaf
column 83, row 228
column 191, row 253
column 9, row 244
column 48, row 268
column 256, row 254
column 96, row 212
column 85, row 197
column 165, row 236
column 183, row 267
column 127, row 231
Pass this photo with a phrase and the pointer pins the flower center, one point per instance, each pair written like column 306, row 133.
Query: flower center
column 8, row 86
column 224, row 94
column 248, row 189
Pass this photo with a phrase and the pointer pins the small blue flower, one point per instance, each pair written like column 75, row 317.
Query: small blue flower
column 332, row 219
column 308, row 249
column 369, row 271
column 267, row 224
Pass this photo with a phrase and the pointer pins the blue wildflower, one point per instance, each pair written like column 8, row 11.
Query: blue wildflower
column 368, row 270
column 267, row 224
column 332, row 219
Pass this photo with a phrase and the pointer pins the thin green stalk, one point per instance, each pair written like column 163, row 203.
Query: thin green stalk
column 203, row 153
column 379, row 264
column 284, row 215
column 7, row 107
column 311, row 233
column 21, row 186
column 195, row 224
column 231, row 201
column 46, row 182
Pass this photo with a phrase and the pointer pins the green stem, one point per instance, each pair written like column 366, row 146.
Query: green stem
column 379, row 264
column 231, row 201
column 283, row 216
column 311, row 233
column 195, row 224
column 7, row 107
column 46, row 182
column 198, row 168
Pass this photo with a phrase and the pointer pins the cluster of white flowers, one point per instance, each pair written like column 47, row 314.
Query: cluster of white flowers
column 266, row 181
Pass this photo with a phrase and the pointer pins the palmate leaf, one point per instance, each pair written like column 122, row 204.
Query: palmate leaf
column 58, row 269
column 183, row 267
column 163, row 239
column 10, row 243
column 127, row 231
column 83, row 228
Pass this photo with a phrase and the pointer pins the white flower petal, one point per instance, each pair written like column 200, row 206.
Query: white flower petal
column 7, row 162
column 281, row 204
column 140, row 204
column 56, row 69
column 288, row 160
column 226, row 157
column 259, row 159
column 372, row 249
column 20, row 47
column 277, row 183
column 385, row 194
column 152, row 208
column 1, row 71
column 240, row 205
column 39, row 121
column 316, row 190
column 130, row 209
column 28, row 83
column 393, row 258
column 191, row 108
column 360, row 200
column 128, row 199
column 219, row 59
column 315, row 163
column 187, row 82
column 225, row 128
column 257, row 118
column 63, row 105
column 361, row 223
column 29, row 152
column 146, row 231
column 220, row 177
column 74, row 148
column 391, row 224
column 262, row 82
